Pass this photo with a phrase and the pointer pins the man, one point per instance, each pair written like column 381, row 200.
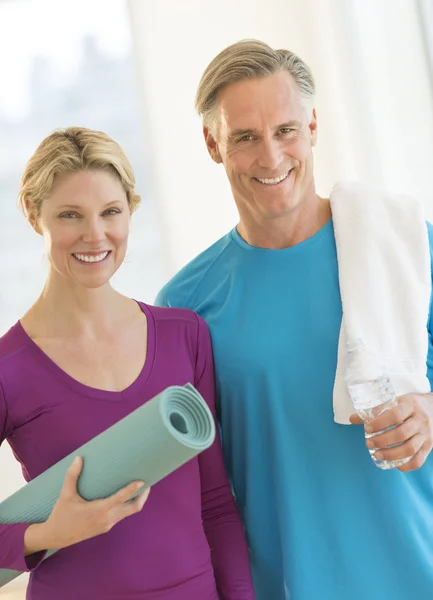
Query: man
column 322, row 521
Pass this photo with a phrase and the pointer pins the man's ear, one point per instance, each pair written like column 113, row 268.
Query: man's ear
column 313, row 128
column 212, row 145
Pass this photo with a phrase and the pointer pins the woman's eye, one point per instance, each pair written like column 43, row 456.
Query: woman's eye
column 68, row 215
column 73, row 215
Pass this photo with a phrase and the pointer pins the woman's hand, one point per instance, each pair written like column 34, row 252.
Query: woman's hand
column 74, row 519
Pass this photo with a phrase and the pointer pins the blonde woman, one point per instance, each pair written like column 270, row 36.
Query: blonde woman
column 80, row 359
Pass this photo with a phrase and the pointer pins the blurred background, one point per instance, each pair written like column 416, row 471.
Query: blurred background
column 131, row 68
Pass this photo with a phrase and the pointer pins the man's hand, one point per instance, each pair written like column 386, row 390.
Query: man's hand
column 412, row 422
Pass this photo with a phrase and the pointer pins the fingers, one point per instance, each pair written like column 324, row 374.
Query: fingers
column 397, row 435
column 69, row 488
column 391, row 417
column 417, row 460
column 124, row 494
column 71, row 478
column 130, row 508
column 355, row 419
column 405, row 450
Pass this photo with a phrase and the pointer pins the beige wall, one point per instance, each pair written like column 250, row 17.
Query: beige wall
column 13, row 594
column 12, row 479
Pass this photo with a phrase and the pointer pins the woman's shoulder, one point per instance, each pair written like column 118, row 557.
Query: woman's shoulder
column 181, row 316
column 12, row 344
column 176, row 323
column 13, row 370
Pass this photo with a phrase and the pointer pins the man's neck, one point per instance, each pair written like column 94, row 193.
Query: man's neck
column 286, row 231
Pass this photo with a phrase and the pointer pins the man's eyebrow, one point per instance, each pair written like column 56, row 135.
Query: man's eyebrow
column 292, row 123
column 241, row 132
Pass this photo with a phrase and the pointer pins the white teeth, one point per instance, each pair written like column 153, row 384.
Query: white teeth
column 273, row 181
column 92, row 259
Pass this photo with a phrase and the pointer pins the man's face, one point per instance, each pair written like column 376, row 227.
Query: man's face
column 264, row 137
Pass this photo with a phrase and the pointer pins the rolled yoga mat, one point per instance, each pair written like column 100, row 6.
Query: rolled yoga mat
column 146, row 445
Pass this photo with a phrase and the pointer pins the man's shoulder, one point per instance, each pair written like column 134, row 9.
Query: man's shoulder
column 430, row 235
column 199, row 272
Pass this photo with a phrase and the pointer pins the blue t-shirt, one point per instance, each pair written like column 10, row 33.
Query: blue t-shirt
column 322, row 521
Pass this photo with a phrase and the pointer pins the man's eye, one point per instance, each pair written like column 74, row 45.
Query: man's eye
column 245, row 138
column 285, row 130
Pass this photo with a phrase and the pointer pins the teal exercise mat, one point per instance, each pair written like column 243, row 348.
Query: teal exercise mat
column 148, row 444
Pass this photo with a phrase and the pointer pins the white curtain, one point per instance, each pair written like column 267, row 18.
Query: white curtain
column 374, row 98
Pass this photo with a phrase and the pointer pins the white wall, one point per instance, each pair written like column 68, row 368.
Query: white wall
column 374, row 98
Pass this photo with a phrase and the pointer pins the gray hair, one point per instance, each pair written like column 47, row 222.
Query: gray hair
column 249, row 59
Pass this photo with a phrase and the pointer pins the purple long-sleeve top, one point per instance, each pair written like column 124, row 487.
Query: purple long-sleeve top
column 188, row 542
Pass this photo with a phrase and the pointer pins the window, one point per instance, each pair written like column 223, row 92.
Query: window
column 62, row 64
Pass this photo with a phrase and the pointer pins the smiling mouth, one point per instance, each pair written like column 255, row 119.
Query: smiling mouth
column 91, row 258
column 274, row 180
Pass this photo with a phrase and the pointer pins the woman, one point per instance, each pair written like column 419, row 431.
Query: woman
column 80, row 359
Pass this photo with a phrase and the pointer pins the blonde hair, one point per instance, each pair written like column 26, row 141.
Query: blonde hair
column 249, row 59
column 72, row 150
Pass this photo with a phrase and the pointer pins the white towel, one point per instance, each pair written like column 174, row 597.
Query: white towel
column 385, row 282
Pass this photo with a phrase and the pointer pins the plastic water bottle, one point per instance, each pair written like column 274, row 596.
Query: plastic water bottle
column 371, row 391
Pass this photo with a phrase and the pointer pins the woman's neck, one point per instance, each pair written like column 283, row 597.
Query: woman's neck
column 64, row 310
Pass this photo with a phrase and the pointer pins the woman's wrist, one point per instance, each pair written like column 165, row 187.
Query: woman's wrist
column 35, row 539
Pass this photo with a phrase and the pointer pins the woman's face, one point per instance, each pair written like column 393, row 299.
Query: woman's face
column 85, row 224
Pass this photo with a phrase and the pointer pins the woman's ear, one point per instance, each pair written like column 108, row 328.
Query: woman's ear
column 33, row 219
